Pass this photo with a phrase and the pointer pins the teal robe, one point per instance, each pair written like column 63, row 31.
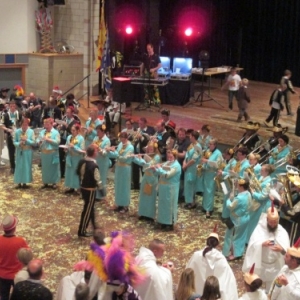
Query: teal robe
column 277, row 155
column 74, row 155
column 50, row 157
column 90, row 137
column 168, row 190
column 24, row 153
column 194, row 152
column 204, row 142
column 236, row 237
column 122, row 173
column 103, row 163
column 148, row 190
column 209, row 184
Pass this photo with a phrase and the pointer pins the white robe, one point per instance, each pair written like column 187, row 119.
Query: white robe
column 267, row 262
column 159, row 284
column 213, row 264
column 292, row 290
column 257, row 295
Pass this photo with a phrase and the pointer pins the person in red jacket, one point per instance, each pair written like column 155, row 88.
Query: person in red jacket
column 9, row 263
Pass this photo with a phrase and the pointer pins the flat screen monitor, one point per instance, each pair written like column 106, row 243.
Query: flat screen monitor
column 182, row 65
column 165, row 64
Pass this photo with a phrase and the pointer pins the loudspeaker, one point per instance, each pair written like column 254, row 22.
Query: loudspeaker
column 122, row 89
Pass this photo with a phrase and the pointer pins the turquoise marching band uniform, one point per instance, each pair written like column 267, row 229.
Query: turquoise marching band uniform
column 90, row 136
column 261, row 202
column 24, row 153
column 194, row 152
column 103, row 162
column 236, row 237
column 74, row 155
column 123, row 155
column 204, row 141
column 209, row 184
column 50, row 156
column 148, row 189
column 279, row 154
column 168, row 190
column 256, row 170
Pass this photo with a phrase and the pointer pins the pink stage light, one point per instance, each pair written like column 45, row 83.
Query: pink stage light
column 188, row 31
column 128, row 30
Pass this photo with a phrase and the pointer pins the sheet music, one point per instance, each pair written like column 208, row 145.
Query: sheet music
column 212, row 164
column 224, row 188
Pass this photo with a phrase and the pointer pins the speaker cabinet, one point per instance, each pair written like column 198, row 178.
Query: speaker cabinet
column 122, row 89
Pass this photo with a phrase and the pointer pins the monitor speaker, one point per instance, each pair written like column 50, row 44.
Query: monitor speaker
column 122, row 89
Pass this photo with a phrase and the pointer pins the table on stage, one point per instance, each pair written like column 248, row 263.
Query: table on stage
column 197, row 75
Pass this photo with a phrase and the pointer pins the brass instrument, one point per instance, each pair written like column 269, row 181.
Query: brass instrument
column 262, row 145
column 136, row 135
column 253, row 182
column 206, row 155
column 287, row 195
column 239, row 144
column 218, row 177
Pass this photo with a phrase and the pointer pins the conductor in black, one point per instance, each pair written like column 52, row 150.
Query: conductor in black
column 151, row 63
column 89, row 176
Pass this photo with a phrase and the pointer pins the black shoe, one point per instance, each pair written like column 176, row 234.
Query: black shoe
column 25, row 186
column 86, row 234
column 69, row 191
column 168, row 228
column 45, row 186
column 118, row 208
column 230, row 106
column 19, row 186
column 142, row 218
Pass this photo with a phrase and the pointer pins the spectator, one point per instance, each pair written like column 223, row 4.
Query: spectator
column 82, row 291
column 9, row 246
column 24, row 255
column 32, row 288
column 211, row 289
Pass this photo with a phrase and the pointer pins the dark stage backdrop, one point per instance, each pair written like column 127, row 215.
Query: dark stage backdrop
column 261, row 36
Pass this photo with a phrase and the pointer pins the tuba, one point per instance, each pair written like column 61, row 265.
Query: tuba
column 287, row 194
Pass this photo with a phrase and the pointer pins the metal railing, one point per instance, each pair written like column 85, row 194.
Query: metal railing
column 88, row 89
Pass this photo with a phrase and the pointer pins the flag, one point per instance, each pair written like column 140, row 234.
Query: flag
column 101, row 37
column 105, row 67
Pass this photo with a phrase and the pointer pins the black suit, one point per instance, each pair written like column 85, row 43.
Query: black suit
column 139, row 146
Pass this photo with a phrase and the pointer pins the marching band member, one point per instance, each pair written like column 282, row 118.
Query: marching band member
column 52, row 111
column 49, row 140
column 148, row 190
column 170, row 128
column 212, row 154
column 165, row 115
column 129, row 129
column 115, row 109
column 168, row 189
column 122, row 172
column 192, row 158
column 75, row 144
column 91, row 125
column 230, row 164
column 160, row 137
column 250, row 139
column 205, row 137
column 280, row 155
column 24, row 139
column 242, row 163
column 260, row 197
column 11, row 121
column 236, row 236
column 253, row 159
column 102, row 142
column 102, row 113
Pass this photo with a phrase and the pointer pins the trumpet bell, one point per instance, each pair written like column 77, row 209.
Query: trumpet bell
column 293, row 174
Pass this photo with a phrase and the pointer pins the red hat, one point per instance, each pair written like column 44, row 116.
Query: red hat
column 9, row 223
column 171, row 125
column 295, row 250
column 250, row 277
column 214, row 233
column 272, row 212
column 57, row 90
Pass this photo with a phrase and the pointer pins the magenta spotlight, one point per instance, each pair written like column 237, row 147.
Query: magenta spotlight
column 128, row 29
column 188, row 31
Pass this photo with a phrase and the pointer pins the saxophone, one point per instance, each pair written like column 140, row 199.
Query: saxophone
column 206, row 155
column 218, row 178
column 254, row 182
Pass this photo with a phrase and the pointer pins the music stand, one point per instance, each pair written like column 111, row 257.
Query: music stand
column 204, row 61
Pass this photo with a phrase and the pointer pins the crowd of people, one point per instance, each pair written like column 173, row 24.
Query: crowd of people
column 259, row 181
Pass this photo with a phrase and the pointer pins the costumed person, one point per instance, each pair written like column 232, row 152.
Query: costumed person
column 161, row 137
column 75, row 150
column 186, row 286
column 250, row 139
column 123, row 156
column 286, row 285
column 210, row 162
column 168, row 189
column 91, row 124
column 252, row 284
column 253, row 159
column 260, row 197
column 189, row 167
column 236, row 235
column 102, row 142
column 49, row 140
column 102, row 113
column 276, row 106
column 279, row 156
column 233, row 83
column 11, row 120
column 266, row 248
column 211, row 262
column 158, row 283
column 230, row 163
column 151, row 64
column 170, row 128
column 205, row 137
column 89, row 177
column 129, row 129
column 64, row 128
column 24, row 140
column 243, row 99
column 242, row 163
column 288, row 89
column 148, row 190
